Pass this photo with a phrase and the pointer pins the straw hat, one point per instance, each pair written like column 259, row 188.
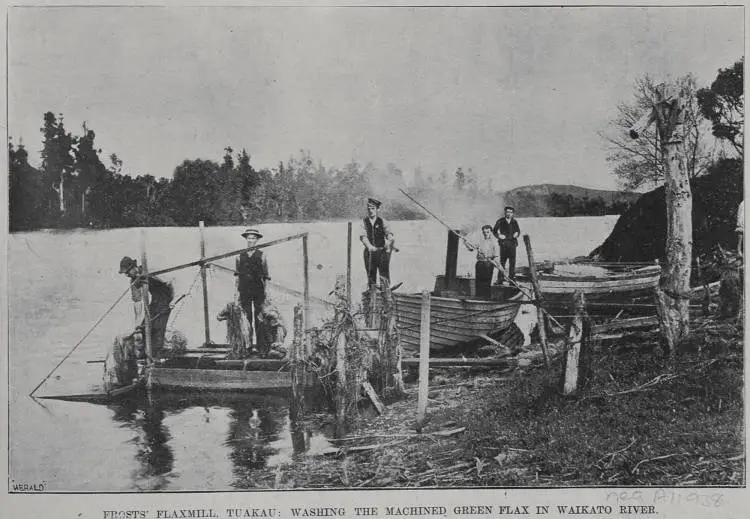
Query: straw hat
column 251, row 232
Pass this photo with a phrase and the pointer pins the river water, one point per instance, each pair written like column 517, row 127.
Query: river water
column 62, row 282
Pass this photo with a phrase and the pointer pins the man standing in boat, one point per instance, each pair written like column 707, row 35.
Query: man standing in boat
column 160, row 304
column 252, row 277
column 377, row 238
column 507, row 231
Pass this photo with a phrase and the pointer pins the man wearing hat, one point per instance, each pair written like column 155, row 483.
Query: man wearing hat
column 160, row 304
column 252, row 276
column 378, row 241
column 507, row 231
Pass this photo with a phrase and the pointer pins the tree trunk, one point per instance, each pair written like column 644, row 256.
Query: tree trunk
column 577, row 360
column 61, row 193
column 674, row 296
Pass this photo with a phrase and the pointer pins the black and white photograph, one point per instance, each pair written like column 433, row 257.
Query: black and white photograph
column 302, row 248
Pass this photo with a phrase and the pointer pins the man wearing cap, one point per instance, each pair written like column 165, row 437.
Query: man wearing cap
column 252, row 275
column 160, row 304
column 507, row 231
column 378, row 241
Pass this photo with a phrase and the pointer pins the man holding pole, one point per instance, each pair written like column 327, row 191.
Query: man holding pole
column 377, row 238
column 160, row 304
column 507, row 231
column 252, row 277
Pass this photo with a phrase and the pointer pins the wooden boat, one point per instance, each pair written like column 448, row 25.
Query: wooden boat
column 603, row 282
column 206, row 368
column 453, row 320
column 211, row 371
column 457, row 316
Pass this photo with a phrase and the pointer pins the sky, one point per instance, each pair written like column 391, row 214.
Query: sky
column 517, row 94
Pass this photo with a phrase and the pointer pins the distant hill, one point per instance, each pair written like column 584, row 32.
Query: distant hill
column 567, row 200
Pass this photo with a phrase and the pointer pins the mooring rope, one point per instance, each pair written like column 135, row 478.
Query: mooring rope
column 81, row 340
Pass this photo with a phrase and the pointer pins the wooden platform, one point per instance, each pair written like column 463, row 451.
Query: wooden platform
column 218, row 379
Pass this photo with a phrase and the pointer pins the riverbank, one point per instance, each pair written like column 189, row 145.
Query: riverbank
column 637, row 423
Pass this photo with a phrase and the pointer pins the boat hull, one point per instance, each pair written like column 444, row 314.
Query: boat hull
column 218, row 379
column 621, row 286
column 453, row 321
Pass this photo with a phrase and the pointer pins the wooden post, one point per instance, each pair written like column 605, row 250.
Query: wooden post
column 306, row 291
column 206, row 322
column 424, row 361
column 342, row 400
column 541, row 317
column 576, row 362
column 297, row 361
column 349, row 264
column 145, row 299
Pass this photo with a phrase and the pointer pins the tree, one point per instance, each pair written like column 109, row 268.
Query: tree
column 723, row 105
column 638, row 163
column 25, row 196
column 58, row 162
column 90, row 169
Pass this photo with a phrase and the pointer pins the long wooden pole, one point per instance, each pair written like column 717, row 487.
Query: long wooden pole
column 206, row 323
column 424, row 360
column 229, row 254
column 306, row 289
column 145, row 298
column 349, row 263
column 539, row 299
column 297, row 407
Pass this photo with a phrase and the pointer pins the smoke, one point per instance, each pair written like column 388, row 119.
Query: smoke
column 463, row 210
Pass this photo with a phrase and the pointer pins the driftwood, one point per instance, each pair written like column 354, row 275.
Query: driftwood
column 373, row 396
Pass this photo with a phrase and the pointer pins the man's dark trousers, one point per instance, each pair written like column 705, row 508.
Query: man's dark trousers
column 508, row 254
column 375, row 261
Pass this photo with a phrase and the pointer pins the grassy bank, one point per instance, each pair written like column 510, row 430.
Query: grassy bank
column 637, row 423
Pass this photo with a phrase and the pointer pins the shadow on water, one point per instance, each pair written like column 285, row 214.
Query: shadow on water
column 258, row 433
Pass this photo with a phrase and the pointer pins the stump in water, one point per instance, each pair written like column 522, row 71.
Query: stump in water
column 577, row 359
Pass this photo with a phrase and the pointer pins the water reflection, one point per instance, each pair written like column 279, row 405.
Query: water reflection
column 152, row 451
column 258, row 435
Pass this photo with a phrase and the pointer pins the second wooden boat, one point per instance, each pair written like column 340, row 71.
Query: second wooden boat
column 608, row 282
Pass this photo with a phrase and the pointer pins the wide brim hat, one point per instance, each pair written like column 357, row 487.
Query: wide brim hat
column 127, row 263
column 251, row 232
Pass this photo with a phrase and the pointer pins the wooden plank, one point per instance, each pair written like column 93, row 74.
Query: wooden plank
column 379, row 407
column 445, row 303
column 626, row 324
column 413, row 362
column 254, row 364
column 218, row 379
column 204, row 283
column 424, row 359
